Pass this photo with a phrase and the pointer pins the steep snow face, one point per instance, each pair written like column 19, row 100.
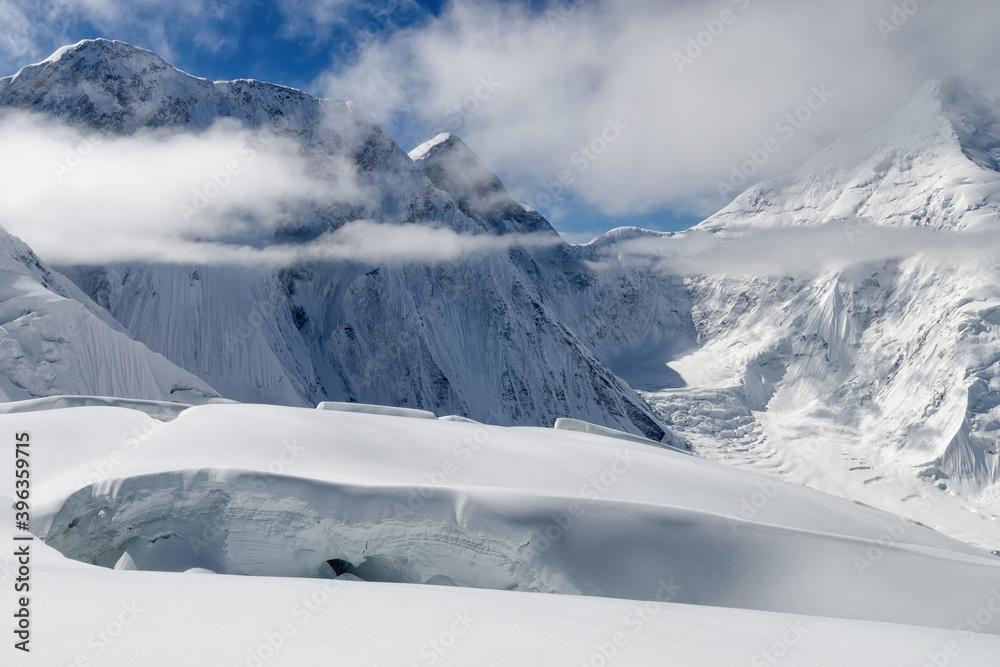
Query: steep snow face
column 632, row 320
column 635, row 318
column 479, row 337
column 476, row 340
column 487, row 346
column 56, row 341
column 891, row 365
column 227, row 325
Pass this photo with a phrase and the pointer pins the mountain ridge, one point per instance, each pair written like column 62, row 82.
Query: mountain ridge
column 353, row 331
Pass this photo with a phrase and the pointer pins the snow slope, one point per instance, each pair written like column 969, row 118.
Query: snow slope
column 280, row 491
column 708, row 563
column 54, row 340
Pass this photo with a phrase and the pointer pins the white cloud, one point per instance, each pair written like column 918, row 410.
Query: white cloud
column 558, row 76
column 78, row 198
column 18, row 34
column 565, row 72
column 217, row 197
column 361, row 241
column 799, row 251
column 212, row 198
column 366, row 19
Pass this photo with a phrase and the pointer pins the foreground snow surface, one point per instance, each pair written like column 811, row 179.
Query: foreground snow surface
column 91, row 616
column 709, row 564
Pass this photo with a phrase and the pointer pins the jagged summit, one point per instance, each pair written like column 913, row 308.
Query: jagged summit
column 85, row 54
column 123, row 55
column 101, row 81
column 976, row 122
column 948, row 109
column 453, row 167
column 942, row 91
column 947, row 94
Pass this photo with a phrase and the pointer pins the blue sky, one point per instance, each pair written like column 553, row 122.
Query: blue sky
column 693, row 98
column 261, row 49
column 251, row 38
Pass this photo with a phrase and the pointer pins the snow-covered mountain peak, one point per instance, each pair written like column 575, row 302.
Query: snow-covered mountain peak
column 90, row 51
column 975, row 119
column 453, row 167
column 939, row 96
column 105, row 84
column 423, row 150
column 934, row 164
column 112, row 86
column 945, row 111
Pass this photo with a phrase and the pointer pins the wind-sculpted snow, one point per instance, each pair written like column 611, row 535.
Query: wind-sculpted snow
column 160, row 410
column 402, row 500
column 245, row 620
column 409, row 413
